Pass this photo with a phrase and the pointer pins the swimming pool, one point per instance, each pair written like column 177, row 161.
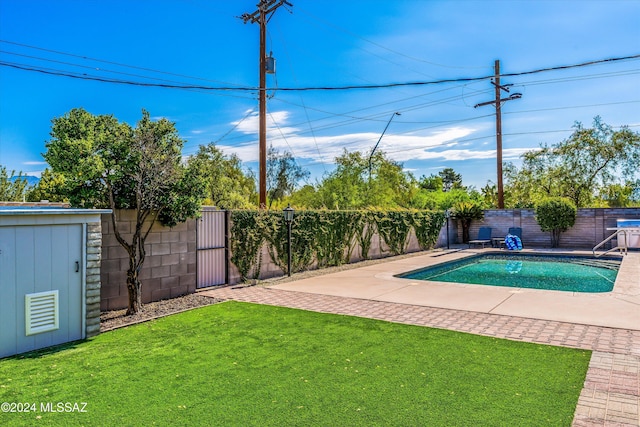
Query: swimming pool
column 550, row 272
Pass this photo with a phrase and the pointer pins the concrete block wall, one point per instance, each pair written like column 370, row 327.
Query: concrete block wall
column 378, row 249
column 169, row 269
column 589, row 230
column 93, row 261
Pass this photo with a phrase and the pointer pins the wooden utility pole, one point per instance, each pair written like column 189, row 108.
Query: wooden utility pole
column 498, row 103
column 266, row 8
column 496, row 83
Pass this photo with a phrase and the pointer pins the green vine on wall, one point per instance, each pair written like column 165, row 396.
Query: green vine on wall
column 394, row 227
column 365, row 227
column 302, row 240
column 426, row 226
column 248, row 237
column 324, row 237
column 334, row 237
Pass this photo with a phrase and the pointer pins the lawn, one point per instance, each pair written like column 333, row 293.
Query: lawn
column 238, row 364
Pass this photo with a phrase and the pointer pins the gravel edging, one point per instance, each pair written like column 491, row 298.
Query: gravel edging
column 110, row 320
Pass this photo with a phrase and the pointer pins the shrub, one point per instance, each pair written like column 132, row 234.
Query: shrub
column 556, row 214
column 466, row 212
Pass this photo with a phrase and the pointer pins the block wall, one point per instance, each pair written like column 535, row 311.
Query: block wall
column 589, row 230
column 378, row 249
column 169, row 269
column 93, row 283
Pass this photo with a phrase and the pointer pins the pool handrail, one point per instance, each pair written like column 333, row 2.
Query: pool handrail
column 624, row 249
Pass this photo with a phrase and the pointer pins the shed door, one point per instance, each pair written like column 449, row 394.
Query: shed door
column 33, row 260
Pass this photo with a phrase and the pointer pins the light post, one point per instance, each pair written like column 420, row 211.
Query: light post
column 447, row 215
column 380, row 139
column 288, row 218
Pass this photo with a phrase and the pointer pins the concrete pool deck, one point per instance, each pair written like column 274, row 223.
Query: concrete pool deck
column 617, row 309
column 611, row 392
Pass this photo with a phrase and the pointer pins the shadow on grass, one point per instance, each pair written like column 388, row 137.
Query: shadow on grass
column 36, row 354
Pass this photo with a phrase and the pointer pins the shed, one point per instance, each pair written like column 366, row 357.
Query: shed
column 49, row 277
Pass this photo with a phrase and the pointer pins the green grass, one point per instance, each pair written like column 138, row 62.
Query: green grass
column 241, row 364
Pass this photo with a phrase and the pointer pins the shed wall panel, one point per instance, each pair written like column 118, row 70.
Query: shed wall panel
column 36, row 259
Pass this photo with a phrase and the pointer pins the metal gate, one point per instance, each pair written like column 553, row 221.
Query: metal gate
column 212, row 243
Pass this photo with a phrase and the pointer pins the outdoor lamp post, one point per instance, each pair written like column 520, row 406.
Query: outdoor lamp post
column 288, row 218
column 447, row 215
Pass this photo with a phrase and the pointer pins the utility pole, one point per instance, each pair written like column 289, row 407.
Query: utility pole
column 266, row 8
column 498, row 103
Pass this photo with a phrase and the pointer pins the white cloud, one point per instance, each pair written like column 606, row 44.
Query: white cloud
column 442, row 144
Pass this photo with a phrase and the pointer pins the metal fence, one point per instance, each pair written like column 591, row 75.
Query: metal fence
column 212, row 248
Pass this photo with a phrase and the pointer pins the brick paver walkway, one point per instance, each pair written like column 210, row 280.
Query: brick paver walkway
column 611, row 393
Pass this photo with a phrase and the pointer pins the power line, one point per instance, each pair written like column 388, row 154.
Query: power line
column 311, row 88
column 119, row 64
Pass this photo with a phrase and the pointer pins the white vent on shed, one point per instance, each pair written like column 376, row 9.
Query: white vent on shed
column 41, row 312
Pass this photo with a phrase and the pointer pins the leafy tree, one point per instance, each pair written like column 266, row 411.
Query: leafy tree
column 48, row 188
column 105, row 163
column 306, row 196
column 346, row 187
column 589, row 160
column 620, row 195
column 350, row 186
column 13, row 188
column 490, row 194
column 283, row 174
column 450, row 179
column 465, row 212
column 227, row 185
column 556, row 214
column 431, row 183
column 433, row 193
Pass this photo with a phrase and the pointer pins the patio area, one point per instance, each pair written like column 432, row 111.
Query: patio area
column 617, row 309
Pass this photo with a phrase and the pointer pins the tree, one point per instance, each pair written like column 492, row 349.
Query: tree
column 13, row 188
column 227, row 185
column 345, row 187
column 450, row 179
column 107, row 164
column 589, row 160
column 431, row 183
column 350, row 186
column 620, row 195
column 466, row 212
column 283, row 174
column 556, row 214
column 48, row 188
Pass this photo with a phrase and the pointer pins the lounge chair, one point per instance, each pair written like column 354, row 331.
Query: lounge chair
column 513, row 241
column 484, row 237
column 516, row 231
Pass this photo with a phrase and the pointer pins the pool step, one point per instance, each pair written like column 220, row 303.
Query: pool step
column 602, row 263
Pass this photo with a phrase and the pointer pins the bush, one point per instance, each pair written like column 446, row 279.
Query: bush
column 556, row 214
column 466, row 212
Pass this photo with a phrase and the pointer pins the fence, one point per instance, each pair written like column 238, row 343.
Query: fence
column 589, row 230
column 212, row 247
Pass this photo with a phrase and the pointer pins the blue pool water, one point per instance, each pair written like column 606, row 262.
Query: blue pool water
column 559, row 273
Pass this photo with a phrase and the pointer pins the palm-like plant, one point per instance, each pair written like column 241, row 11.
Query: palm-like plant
column 466, row 212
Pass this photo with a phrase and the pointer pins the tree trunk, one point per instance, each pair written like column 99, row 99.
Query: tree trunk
column 465, row 231
column 555, row 238
column 135, row 295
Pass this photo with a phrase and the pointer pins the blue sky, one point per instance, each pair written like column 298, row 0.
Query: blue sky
column 325, row 43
